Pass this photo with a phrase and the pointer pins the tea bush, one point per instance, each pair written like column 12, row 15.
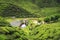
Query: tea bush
column 12, row 33
column 41, row 32
column 47, row 32
column 53, row 18
column 3, row 22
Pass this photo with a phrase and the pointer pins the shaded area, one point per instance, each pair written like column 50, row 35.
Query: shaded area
column 13, row 10
column 46, row 3
column 58, row 1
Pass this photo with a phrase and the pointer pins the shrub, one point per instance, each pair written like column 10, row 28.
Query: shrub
column 3, row 22
column 57, row 16
column 47, row 32
column 12, row 33
column 47, row 20
column 2, row 37
column 53, row 18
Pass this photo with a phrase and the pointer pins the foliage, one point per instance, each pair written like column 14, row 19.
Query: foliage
column 53, row 18
column 2, row 37
column 45, row 3
column 28, row 8
column 3, row 22
column 46, row 32
column 47, row 19
column 40, row 32
column 12, row 33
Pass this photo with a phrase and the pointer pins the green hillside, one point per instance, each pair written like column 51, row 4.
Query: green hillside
column 29, row 19
column 30, row 8
column 27, row 8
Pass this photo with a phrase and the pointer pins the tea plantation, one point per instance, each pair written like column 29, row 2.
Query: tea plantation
column 45, row 12
column 50, row 31
column 29, row 8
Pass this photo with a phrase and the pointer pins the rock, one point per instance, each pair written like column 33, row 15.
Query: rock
column 15, row 23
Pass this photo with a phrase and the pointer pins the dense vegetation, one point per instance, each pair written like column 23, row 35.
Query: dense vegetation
column 47, row 11
column 29, row 8
column 53, row 18
column 31, row 32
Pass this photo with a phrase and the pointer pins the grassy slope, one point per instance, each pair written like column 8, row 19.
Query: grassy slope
column 33, row 8
column 30, row 7
column 50, row 11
